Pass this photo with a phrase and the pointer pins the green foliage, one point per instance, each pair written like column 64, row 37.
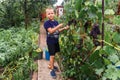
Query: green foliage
column 116, row 37
column 15, row 12
column 88, row 62
column 11, row 13
column 116, row 20
column 16, row 45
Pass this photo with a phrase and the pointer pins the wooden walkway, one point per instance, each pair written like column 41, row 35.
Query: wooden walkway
column 43, row 71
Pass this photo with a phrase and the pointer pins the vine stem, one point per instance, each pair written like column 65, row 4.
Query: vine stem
column 89, row 54
column 117, row 48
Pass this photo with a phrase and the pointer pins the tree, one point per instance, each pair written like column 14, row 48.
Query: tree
column 13, row 12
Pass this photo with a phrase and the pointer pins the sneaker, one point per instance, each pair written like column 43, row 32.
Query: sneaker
column 55, row 68
column 53, row 74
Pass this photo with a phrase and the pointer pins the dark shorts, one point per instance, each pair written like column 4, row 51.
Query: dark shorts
column 53, row 48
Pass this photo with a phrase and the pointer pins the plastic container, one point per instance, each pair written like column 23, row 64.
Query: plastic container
column 47, row 55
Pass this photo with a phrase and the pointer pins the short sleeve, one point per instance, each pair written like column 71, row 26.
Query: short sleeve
column 46, row 25
column 50, row 24
column 56, row 22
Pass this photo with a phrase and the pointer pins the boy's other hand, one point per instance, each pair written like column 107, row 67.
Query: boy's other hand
column 67, row 27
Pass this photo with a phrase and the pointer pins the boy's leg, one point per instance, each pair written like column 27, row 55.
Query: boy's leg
column 52, row 62
column 54, row 49
column 52, row 71
column 51, row 48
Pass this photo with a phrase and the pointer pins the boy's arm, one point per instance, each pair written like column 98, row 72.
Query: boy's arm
column 52, row 30
column 64, row 28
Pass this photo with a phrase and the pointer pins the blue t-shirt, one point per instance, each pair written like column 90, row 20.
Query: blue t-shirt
column 51, row 38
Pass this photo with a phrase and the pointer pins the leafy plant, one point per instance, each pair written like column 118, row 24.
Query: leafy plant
column 16, row 45
column 80, row 59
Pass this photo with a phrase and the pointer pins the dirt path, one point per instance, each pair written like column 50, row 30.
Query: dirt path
column 43, row 71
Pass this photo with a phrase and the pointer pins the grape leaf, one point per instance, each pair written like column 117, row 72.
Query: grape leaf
column 113, row 58
column 112, row 73
column 99, row 71
column 116, row 37
column 109, row 12
column 76, row 13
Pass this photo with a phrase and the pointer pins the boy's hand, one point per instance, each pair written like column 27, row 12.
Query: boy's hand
column 60, row 25
column 64, row 28
column 67, row 27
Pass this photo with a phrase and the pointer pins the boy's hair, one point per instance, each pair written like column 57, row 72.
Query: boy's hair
column 49, row 8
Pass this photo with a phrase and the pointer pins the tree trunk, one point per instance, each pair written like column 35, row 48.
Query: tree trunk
column 25, row 14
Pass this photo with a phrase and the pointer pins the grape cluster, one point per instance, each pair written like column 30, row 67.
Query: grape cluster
column 94, row 33
column 72, row 21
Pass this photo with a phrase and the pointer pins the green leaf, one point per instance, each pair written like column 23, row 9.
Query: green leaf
column 106, row 61
column 76, row 13
column 109, row 49
column 95, row 60
column 99, row 71
column 78, row 4
column 98, row 2
column 92, row 15
column 113, row 58
column 87, row 3
column 109, row 12
column 118, row 63
column 85, row 69
column 111, row 73
column 116, row 37
column 107, row 37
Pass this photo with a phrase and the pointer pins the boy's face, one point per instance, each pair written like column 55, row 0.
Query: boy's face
column 50, row 14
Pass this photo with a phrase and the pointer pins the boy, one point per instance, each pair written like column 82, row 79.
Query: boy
column 52, row 29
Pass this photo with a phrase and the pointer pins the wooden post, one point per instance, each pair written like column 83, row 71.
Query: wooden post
column 102, row 22
column 25, row 14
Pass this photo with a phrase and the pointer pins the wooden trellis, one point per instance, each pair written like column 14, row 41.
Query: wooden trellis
column 102, row 22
